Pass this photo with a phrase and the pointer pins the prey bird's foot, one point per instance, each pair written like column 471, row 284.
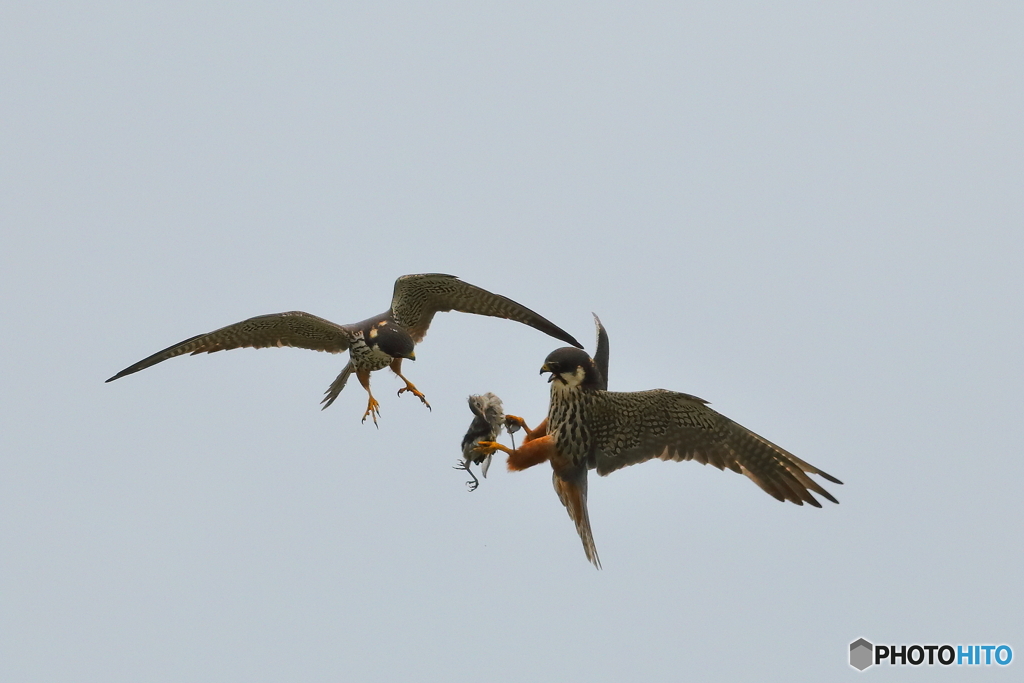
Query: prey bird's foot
column 488, row 447
column 410, row 387
column 464, row 465
column 372, row 410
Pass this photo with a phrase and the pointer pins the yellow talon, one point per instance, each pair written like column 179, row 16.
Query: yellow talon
column 488, row 447
column 372, row 410
column 513, row 423
column 410, row 387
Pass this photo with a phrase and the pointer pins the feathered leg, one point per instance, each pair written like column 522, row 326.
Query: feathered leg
column 532, row 452
column 372, row 407
column 514, row 422
column 396, row 367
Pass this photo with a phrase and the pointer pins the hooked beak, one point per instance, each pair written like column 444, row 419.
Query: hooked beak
column 546, row 368
column 411, row 356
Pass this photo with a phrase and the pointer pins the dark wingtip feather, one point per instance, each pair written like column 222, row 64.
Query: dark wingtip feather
column 568, row 338
column 828, row 495
column 829, row 477
column 559, row 333
column 126, row 371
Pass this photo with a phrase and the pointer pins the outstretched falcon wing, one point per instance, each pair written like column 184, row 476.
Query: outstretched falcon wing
column 294, row 328
column 418, row 297
column 633, row 427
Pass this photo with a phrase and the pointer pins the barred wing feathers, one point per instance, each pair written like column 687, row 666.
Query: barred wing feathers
column 418, row 297
column 295, row 328
column 633, row 427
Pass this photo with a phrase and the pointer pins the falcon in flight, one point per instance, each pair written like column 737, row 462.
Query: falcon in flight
column 378, row 342
column 589, row 427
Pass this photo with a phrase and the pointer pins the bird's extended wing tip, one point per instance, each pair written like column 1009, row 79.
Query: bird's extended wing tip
column 569, row 339
column 828, row 476
column 829, row 496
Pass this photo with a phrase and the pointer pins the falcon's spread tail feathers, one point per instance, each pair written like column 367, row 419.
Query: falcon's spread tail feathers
column 337, row 385
column 571, row 487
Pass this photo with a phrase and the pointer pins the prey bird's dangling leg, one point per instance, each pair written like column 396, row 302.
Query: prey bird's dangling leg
column 372, row 407
column 396, row 367
column 464, row 465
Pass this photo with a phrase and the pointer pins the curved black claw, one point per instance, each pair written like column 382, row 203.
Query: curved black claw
column 415, row 392
column 464, row 466
column 372, row 410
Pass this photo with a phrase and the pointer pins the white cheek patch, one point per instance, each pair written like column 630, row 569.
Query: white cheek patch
column 575, row 378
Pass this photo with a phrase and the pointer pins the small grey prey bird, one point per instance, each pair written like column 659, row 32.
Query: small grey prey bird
column 488, row 421
column 589, row 427
column 373, row 344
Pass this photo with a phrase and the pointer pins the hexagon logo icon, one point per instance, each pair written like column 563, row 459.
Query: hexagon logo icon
column 861, row 654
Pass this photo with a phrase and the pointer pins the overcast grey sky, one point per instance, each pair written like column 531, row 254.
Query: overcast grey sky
column 809, row 215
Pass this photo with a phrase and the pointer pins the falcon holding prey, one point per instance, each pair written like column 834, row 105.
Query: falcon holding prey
column 589, row 427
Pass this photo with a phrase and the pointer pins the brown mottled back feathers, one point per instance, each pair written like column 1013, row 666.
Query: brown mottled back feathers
column 633, row 427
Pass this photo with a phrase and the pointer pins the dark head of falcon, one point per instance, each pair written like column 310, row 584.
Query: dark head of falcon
column 392, row 340
column 572, row 368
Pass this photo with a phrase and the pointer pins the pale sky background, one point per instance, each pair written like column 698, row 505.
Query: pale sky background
column 810, row 215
